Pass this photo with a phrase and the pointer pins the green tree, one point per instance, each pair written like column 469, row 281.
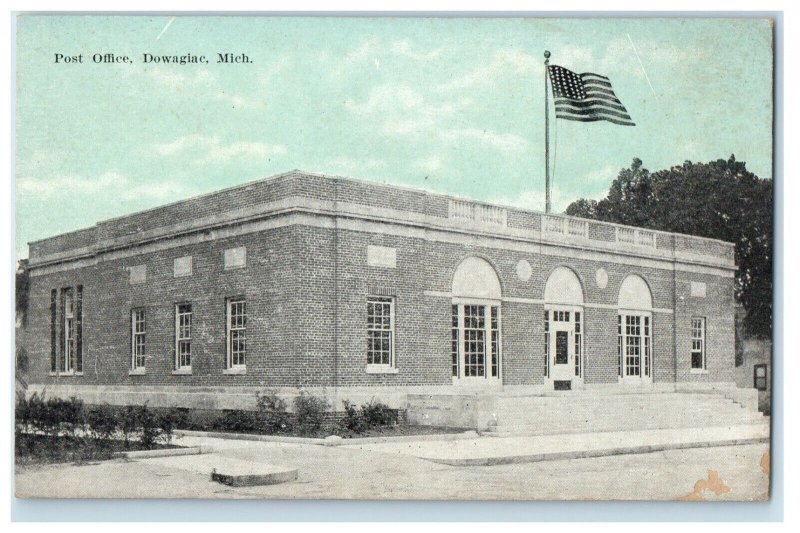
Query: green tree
column 720, row 200
column 21, row 292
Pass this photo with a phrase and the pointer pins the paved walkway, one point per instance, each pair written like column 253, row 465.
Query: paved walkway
column 491, row 450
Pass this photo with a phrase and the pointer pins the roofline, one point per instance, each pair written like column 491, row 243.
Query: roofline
column 298, row 172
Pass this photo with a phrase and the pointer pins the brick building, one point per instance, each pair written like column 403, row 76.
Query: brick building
column 357, row 290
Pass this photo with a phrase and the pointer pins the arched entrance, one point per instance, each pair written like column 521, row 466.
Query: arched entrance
column 475, row 330
column 563, row 329
column 635, row 331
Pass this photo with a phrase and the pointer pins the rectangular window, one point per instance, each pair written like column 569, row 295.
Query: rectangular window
column 578, row 344
column 67, row 332
column 237, row 324
column 633, row 345
column 619, row 344
column 138, row 331
column 546, row 342
column 646, row 345
column 183, row 337
column 79, row 329
column 454, row 339
column 474, row 340
column 53, row 334
column 494, row 324
column 698, row 343
column 380, row 331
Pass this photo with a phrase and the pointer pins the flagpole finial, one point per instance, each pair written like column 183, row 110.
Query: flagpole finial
column 546, row 56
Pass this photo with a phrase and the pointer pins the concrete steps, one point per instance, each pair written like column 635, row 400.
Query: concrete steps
column 591, row 413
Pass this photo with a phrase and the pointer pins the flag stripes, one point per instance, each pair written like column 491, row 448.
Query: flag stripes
column 586, row 97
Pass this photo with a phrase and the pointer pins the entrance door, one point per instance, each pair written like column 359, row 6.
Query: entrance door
column 562, row 351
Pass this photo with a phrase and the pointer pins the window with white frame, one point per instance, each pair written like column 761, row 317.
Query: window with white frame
column 698, row 343
column 183, row 336
column 454, row 340
column 578, row 344
column 476, row 341
column 380, row 331
column 68, row 362
column 634, row 334
column 138, row 331
column 546, row 343
column 237, row 325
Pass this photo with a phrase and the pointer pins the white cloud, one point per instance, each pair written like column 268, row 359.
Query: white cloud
column 504, row 63
column 606, row 174
column 431, row 164
column 404, row 48
column 204, row 84
column 111, row 183
column 506, row 142
column 215, row 151
column 353, row 166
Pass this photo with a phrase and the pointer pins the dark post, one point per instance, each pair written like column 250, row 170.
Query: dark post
column 546, row 137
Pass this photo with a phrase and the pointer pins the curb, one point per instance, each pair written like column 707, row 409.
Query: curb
column 166, row 452
column 587, row 454
column 332, row 440
column 249, row 480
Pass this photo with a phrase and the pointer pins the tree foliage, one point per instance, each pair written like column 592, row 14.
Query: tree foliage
column 21, row 292
column 720, row 200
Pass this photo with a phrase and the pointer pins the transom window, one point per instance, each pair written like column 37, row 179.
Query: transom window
column 237, row 324
column 698, row 343
column 560, row 316
column 138, row 332
column 380, row 331
column 183, row 336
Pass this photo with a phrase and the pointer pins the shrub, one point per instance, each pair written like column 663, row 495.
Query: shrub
column 378, row 414
column 310, row 412
column 272, row 412
column 353, row 419
column 101, row 422
column 240, row 421
column 150, row 427
column 129, row 424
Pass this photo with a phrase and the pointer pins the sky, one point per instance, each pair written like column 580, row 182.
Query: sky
column 451, row 105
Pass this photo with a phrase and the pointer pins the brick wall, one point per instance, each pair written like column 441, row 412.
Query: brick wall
column 306, row 287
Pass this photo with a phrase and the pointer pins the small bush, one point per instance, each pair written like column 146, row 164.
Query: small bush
column 129, row 424
column 150, row 426
column 353, row 419
column 378, row 414
column 310, row 412
column 240, row 421
column 273, row 413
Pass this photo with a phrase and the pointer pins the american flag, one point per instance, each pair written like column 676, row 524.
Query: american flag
column 586, row 97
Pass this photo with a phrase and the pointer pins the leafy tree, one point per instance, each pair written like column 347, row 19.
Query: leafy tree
column 719, row 199
column 22, row 289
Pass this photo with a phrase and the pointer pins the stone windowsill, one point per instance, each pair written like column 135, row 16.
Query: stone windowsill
column 381, row 369
column 698, row 371
column 66, row 374
column 185, row 371
column 137, row 372
column 235, row 371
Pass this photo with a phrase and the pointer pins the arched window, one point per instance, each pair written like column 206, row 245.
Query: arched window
column 635, row 330
column 475, row 329
column 563, row 327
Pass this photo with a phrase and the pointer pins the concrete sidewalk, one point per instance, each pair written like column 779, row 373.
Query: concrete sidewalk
column 491, row 450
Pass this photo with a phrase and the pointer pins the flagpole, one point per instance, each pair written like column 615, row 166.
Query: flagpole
column 546, row 137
